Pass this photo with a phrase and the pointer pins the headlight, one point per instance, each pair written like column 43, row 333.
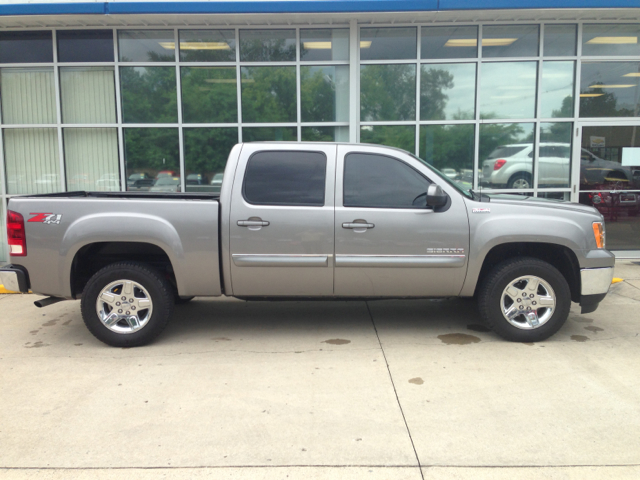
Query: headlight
column 598, row 233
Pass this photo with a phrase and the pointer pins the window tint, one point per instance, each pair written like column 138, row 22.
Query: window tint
column 26, row 47
column 85, row 45
column 376, row 181
column 506, row 151
column 285, row 178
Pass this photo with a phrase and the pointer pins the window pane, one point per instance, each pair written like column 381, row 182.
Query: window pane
column 209, row 94
column 556, row 95
column 399, row 136
column 506, row 155
column 26, row 47
column 610, row 39
column 387, row 92
column 609, row 89
column 449, row 42
column 559, row 40
column 152, row 159
column 207, row 45
column 149, row 94
column 448, row 91
column 508, row 90
column 146, row 46
column 324, row 44
column 205, row 156
column 268, row 94
column 85, row 45
column 285, row 178
column 450, row 148
column 88, row 94
column 560, row 196
column 267, row 45
column 325, row 93
column 554, row 155
column 269, row 134
column 28, row 95
column 510, row 41
column 388, row 43
column 376, row 181
column 31, row 160
column 91, row 159
column 325, row 134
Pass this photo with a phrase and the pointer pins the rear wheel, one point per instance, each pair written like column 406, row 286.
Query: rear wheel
column 127, row 304
column 520, row 180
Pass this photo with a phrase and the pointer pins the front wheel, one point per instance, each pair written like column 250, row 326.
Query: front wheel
column 524, row 300
column 127, row 304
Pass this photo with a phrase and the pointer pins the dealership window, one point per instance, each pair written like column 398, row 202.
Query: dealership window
column 85, row 45
column 387, row 92
column 88, row 94
column 560, row 40
column 209, row 95
column 205, row 156
column 146, row 45
column 325, row 134
column 267, row 45
column 399, row 136
column 449, row 42
column 91, row 159
column 448, row 91
column 556, row 90
column 207, row 45
column 506, row 155
column 26, row 47
column 508, row 89
column 450, row 149
column 152, row 159
column 324, row 93
column 268, row 134
column 149, row 94
column 610, row 89
column 388, row 43
column 324, row 44
column 610, row 40
column 510, row 41
column 28, row 95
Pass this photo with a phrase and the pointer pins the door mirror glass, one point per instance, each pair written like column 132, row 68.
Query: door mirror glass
column 436, row 196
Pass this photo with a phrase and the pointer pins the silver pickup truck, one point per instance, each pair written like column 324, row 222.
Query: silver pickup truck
column 309, row 221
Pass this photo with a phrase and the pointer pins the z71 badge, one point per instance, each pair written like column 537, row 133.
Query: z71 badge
column 46, row 218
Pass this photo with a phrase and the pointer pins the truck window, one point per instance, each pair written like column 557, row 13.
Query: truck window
column 378, row 181
column 285, row 178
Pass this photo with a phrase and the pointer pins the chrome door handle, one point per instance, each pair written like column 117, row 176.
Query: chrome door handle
column 357, row 225
column 252, row 223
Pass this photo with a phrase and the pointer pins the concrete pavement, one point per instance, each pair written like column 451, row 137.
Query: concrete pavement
column 322, row 390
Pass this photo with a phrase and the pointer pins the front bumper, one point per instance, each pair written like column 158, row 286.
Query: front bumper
column 14, row 278
column 595, row 283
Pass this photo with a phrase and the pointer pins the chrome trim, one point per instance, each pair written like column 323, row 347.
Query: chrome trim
column 253, row 260
column 124, row 306
column 596, row 280
column 9, row 280
column 402, row 261
column 528, row 302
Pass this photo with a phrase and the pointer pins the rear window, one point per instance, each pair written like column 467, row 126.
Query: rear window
column 503, row 151
column 285, row 178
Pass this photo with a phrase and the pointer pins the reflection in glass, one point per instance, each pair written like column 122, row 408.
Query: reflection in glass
column 325, row 134
column 26, row 47
column 85, row 45
column 268, row 94
column 449, row 42
column 91, row 159
column 509, row 41
column 506, row 155
column 556, row 91
column 387, row 92
column 267, row 45
column 152, row 159
column 88, row 94
column 207, row 45
column 508, row 90
column 146, row 46
column 388, row 43
column 560, row 196
column 400, row 136
column 324, row 92
column 209, row 95
column 28, row 95
column 31, row 160
column 269, row 134
column 4, row 255
column 559, row 40
column 611, row 39
column 609, row 89
column 324, row 44
column 554, row 155
column 205, row 156
column 450, row 148
column 149, row 94
column 448, row 91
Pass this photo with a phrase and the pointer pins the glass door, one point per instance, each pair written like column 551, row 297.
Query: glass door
column 609, row 179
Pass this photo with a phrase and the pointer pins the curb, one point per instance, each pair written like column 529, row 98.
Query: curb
column 4, row 290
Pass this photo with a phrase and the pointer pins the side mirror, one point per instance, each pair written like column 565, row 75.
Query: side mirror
column 436, row 196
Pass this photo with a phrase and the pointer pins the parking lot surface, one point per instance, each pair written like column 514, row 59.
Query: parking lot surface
column 394, row 389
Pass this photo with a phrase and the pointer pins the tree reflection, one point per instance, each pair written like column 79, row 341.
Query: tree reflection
column 149, row 94
column 268, row 94
column 433, row 100
column 209, row 95
column 387, row 92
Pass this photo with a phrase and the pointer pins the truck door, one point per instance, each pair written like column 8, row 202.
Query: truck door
column 387, row 242
column 281, row 221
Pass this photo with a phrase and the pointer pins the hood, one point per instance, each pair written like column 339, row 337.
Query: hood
column 521, row 200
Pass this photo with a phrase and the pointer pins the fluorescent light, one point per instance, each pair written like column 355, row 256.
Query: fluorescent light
column 196, row 45
column 588, row 95
column 220, row 80
column 461, row 42
column 612, row 40
column 317, row 45
column 497, row 42
column 611, row 86
column 365, row 43
column 632, row 74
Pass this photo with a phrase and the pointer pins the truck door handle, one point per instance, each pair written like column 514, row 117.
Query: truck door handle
column 357, row 225
column 252, row 223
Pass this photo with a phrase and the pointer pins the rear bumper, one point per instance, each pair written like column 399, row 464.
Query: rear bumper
column 595, row 283
column 14, row 278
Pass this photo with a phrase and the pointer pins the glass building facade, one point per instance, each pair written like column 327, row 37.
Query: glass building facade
column 541, row 109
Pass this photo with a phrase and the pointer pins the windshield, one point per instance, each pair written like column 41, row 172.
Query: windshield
column 506, row 151
column 458, row 182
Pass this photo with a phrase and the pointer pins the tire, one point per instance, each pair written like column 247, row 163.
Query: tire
column 504, row 287
column 149, row 312
column 183, row 300
column 520, row 180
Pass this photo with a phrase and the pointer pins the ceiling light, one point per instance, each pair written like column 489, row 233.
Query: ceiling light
column 497, row 42
column 196, row 45
column 591, row 94
column 461, row 42
column 632, row 74
column 611, row 86
column 317, row 45
column 365, row 43
column 612, row 40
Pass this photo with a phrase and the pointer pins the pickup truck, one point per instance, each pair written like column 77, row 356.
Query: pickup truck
column 309, row 221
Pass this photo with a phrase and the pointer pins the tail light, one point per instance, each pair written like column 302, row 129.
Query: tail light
column 16, row 234
column 499, row 164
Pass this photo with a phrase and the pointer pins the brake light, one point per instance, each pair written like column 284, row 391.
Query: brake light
column 499, row 164
column 16, row 234
column 598, row 233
